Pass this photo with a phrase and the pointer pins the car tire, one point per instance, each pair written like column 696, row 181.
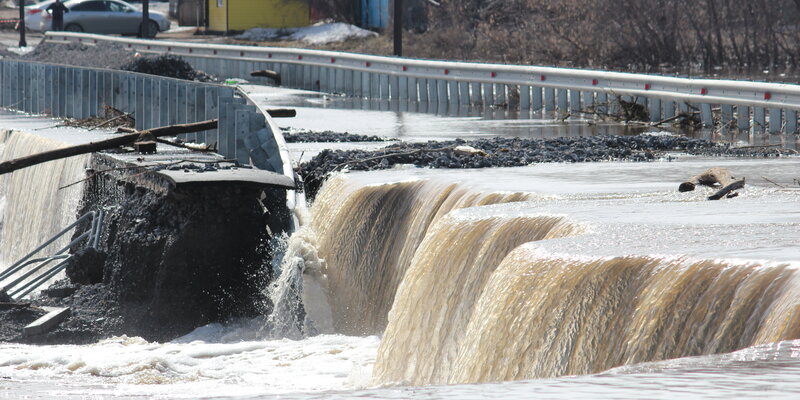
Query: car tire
column 152, row 29
column 73, row 28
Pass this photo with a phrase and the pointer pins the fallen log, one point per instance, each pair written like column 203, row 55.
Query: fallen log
column 171, row 130
column 710, row 177
column 726, row 191
column 275, row 76
column 282, row 112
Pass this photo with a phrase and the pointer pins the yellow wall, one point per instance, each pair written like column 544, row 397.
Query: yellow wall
column 246, row 14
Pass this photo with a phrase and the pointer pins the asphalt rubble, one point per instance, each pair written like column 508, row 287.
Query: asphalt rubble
column 516, row 152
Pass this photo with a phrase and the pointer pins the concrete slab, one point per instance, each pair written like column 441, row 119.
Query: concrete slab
column 54, row 316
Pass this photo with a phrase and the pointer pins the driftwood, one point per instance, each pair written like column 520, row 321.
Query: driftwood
column 275, row 76
column 34, row 159
column 710, row 177
column 282, row 112
column 714, row 177
column 727, row 190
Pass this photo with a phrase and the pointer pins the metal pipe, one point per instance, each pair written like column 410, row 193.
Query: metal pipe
column 15, row 267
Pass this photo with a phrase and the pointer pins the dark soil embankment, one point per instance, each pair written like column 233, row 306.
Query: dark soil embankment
column 513, row 152
column 293, row 136
column 115, row 56
column 170, row 260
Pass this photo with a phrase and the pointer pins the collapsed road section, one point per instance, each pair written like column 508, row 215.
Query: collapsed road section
column 185, row 235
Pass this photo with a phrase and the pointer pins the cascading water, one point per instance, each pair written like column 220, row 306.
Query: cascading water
column 35, row 204
column 369, row 234
column 473, row 299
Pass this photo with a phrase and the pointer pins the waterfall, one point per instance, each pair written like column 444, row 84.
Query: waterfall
column 542, row 315
column 368, row 235
column 34, row 206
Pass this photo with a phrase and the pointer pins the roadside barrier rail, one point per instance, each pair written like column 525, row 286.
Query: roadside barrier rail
column 245, row 131
column 27, row 280
column 757, row 106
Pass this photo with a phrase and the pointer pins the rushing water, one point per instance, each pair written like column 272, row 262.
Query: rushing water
column 564, row 280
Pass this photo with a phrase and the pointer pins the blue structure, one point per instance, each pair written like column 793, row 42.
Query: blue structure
column 375, row 14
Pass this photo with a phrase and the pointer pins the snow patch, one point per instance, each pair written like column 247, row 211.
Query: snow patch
column 319, row 33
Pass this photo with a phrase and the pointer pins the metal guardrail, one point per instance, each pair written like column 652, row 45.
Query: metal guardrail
column 245, row 132
column 29, row 280
column 752, row 105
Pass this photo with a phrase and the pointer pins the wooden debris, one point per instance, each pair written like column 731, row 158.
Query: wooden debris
column 727, row 191
column 172, row 130
column 282, row 112
column 275, row 76
column 710, row 177
column 714, row 177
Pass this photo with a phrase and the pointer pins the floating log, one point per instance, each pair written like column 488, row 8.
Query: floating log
column 710, row 177
column 275, row 76
column 282, row 112
column 171, row 130
column 726, row 191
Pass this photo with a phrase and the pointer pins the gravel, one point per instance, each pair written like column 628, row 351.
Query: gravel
column 513, row 152
column 293, row 136
column 101, row 55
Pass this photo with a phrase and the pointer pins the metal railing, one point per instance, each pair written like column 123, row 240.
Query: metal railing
column 24, row 281
column 244, row 133
column 750, row 105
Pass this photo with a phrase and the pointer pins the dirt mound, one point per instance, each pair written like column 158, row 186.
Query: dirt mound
column 167, row 65
column 100, row 55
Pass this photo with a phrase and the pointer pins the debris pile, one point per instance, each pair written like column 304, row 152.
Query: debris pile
column 167, row 65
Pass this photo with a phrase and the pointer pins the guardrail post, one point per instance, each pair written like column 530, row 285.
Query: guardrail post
column 69, row 95
column 463, row 93
column 587, row 100
column 488, row 94
column 95, row 86
column 537, row 101
column 601, row 103
column 384, row 79
column 365, row 85
column 315, row 78
column 394, row 87
column 453, row 90
column 655, row 109
column 423, row 91
column 726, row 114
column 212, row 111
column 705, row 115
column 242, row 121
column 433, row 91
column 574, row 101
column 199, row 110
column 224, row 126
column 163, row 102
column 549, row 99
column 442, row 90
column 374, row 86
column 403, row 88
column 500, row 94
column 791, row 120
column 775, row 120
column 146, row 106
column 475, row 93
column 191, row 109
column 3, row 82
column 524, row 97
column 562, row 100
column 759, row 119
column 340, row 80
column 413, row 93
column 743, row 117
column 669, row 109
column 357, row 82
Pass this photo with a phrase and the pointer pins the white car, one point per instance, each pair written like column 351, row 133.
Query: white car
column 104, row 16
column 34, row 13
